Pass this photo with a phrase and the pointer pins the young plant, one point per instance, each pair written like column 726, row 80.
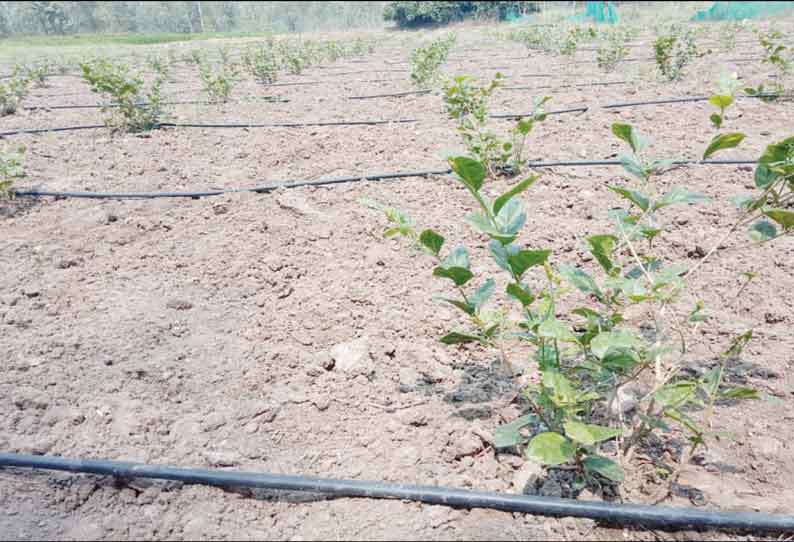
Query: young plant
column 36, row 73
column 133, row 107
column 218, row 81
column 12, row 92
column 612, row 51
column 587, row 355
column 775, row 53
column 426, row 61
column 468, row 104
column 160, row 66
column 724, row 98
column 10, row 170
column 673, row 52
column 262, row 64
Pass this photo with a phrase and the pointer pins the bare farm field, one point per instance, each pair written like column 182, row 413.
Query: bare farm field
column 279, row 331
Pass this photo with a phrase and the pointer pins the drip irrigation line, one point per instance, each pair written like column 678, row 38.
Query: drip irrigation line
column 143, row 104
column 338, row 180
column 655, row 516
column 556, row 112
column 685, row 99
column 570, row 85
column 396, row 94
column 222, row 125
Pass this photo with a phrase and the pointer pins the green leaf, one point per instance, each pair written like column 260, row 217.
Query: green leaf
column 588, row 434
column 521, row 293
column 716, row 120
column 462, row 305
column 723, row 141
column 626, row 133
column 738, row 344
column 605, row 467
column 740, row 393
column 481, row 223
column 722, row 102
column 460, row 275
column 637, row 198
column 764, row 177
column 620, row 360
column 550, row 449
column 684, row 420
column 607, row 340
column 483, row 293
column 602, row 246
column 460, row 338
column 514, row 191
column 509, row 434
column 524, row 259
column 432, row 241
column 679, row 194
column 459, row 257
column 501, row 253
column 763, row 230
column 391, row 232
column 579, row 279
column 511, row 217
column 554, row 329
column 631, row 165
column 675, row 395
column 710, row 382
column 782, row 217
column 471, row 172
column 563, row 392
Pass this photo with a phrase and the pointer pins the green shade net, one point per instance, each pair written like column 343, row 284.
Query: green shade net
column 736, row 11
column 598, row 12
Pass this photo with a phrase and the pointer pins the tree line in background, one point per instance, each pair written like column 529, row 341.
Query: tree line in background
column 413, row 14
column 58, row 18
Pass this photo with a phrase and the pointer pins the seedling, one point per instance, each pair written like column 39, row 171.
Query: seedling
column 11, row 169
column 612, row 51
column 262, row 64
column 426, row 61
column 585, row 357
column 468, row 104
column 218, row 81
column 725, row 97
column 12, row 92
column 673, row 51
column 133, row 107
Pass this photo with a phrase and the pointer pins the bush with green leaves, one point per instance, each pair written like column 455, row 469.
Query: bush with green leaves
column 36, row 73
column 593, row 335
column 612, row 51
column 218, row 80
column 262, row 64
column 426, row 61
column 11, row 169
column 775, row 55
column 12, row 92
column 468, row 104
column 673, row 51
column 159, row 65
column 134, row 106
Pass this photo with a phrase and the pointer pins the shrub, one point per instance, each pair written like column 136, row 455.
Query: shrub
column 468, row 105
column 673, row 51
column 262, row 64
column 133, row 107
column 12, row 93
column 612, row 51
column 630, row 325
column 218, row 81
column 426, row 61
column 10, row 170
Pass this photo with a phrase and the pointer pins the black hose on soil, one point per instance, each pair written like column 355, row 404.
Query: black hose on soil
column 334, row 180
column 394, row 95
column 656, row 516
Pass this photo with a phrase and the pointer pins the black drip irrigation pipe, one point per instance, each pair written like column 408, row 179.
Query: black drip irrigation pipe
column 335, row 180
column 570, row 85
column 228, row 125
column 653, row 516
column 556, row 112
column 396, row 94
column 143, row 104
